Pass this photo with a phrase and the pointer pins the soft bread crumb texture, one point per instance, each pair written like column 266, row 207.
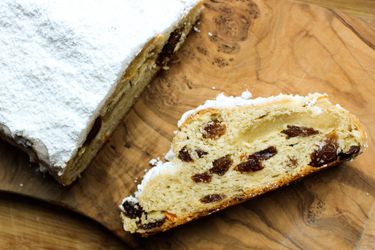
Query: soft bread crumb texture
column 222, row 156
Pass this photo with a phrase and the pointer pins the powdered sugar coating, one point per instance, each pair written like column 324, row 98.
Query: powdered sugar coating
column 60, row 60
column 246, row 95
column 169, row 155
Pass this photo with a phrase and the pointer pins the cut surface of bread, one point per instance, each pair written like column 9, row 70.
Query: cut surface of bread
column 74, row 68
column 234, row 148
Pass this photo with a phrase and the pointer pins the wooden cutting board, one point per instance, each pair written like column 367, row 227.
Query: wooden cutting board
column 267, row 47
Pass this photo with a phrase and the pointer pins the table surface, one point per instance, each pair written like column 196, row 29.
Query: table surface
column 19, row 214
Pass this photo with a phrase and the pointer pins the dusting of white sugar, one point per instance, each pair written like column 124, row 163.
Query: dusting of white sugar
column 60, row 60
column 154, row 162
column 169, row 155
column 246, row 95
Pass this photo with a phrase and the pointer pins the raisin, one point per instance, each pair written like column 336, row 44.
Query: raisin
column 221, row 165
column 214, row 129
column 169, row 47
column 251, row 165
column 294, row 131
column 204, row 177
column 151, row 225
column 353, row 151
column 93, row 132
column 254, row 163
column 184, row 155
column 132, row 209
column 265, row 154
column 212, row 198
column 201, row 153
column 326, row 154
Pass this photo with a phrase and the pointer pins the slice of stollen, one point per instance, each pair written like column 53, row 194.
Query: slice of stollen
column 232, row 149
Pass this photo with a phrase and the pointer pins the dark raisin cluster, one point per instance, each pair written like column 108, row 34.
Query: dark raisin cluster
column 254, row 161
column 132, row 209
column 294, row 131
column 214, row 129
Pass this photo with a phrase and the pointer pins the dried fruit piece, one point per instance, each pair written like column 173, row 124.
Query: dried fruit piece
column 170, row 216
column 353, row 151
column 169, row 47
column 151, row 225
column 214, row 129
column 94, row 131
column 204, row 177
column 184, row 155
column 325, row 154
column 132, row 209
column 294, row 131
column 201, row 153
column 221, row 165
column 254, row 163
column 251, row 165
column 212, row 198
column 265, row 154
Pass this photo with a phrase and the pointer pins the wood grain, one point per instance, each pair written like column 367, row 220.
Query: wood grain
column 359, row 8
column 267, row 47
column 28, row 224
